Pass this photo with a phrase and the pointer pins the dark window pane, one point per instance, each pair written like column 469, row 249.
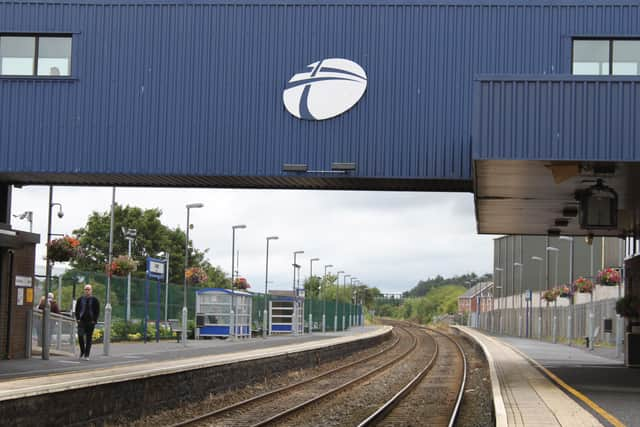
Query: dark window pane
column 17, row 55
column 54, row 56
column 591, row 57
column 626, row 57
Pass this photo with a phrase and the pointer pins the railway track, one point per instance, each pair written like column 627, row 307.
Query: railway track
column 349, row 394
column 433, row 396
column 279, row 402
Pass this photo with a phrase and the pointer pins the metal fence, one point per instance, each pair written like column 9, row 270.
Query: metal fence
column 558, row 323
column 61, row 336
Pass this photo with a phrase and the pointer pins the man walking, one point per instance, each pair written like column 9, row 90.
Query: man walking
column 87, row 312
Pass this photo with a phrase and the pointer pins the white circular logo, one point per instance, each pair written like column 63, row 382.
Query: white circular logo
column 329, row 88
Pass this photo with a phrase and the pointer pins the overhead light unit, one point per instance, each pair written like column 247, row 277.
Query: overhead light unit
column 295, row 167
column 570, row 211
column 598, row 207
column 561, row 222
column 345, row 167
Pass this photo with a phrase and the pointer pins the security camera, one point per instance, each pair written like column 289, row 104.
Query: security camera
column 60, row 214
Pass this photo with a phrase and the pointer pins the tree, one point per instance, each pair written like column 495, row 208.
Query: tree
column 153, row 239
column 312, row 287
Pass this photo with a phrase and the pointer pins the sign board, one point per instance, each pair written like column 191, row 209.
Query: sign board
column 20, row 296
column 527, row 295
column 28, row 298
column 24, row 282
column 156, row 268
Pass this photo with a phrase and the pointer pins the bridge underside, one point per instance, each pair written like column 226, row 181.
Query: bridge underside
column 529, row 197
column 306, row 181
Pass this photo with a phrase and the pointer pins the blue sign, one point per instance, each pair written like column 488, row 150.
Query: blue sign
column 156, row 268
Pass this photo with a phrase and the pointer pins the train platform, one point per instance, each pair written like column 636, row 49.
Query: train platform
column 545, row 384
column 130, row 361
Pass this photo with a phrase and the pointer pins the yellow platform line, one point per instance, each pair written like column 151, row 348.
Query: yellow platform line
column 590, row 403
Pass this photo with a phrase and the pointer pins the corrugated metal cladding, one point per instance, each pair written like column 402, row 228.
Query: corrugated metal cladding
column 557, row 119
column 195, row 88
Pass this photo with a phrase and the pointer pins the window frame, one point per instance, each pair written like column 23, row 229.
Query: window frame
column 34, row 71
column 610, row 39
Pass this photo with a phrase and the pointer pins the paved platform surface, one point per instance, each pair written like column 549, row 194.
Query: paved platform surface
column 529, row 397
column 19, row 378
column 597, row 374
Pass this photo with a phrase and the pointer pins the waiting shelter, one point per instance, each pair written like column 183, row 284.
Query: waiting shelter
column 286, row 312
column 218, row 309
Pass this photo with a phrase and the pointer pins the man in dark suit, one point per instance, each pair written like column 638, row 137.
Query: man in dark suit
column 87, row 312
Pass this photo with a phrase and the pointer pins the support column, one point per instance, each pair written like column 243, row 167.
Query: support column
column 5, row 204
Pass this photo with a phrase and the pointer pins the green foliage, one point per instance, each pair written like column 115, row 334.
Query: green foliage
column 466, row 280
column 153, row 239
column 312, row 286
column 438, row 301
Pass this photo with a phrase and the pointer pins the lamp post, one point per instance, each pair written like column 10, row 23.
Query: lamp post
column 234, row 311
column 294, row 324
column 590, row 316
column 106, row 338
column 311, row 261
column 265, row 323
column 520, row 265
column 130, row 235
column 540, row 261
column 554, row 330
column 324, row 298
column 570, row 316
column 499, row 270
column 47, row 304
column 344, row 288
column 335, row 316
column 186, row 265
column 351, row 308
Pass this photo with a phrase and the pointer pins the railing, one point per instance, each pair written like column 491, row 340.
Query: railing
column 61, row 336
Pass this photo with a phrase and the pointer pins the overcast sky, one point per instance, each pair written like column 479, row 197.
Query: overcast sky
column 389, row 240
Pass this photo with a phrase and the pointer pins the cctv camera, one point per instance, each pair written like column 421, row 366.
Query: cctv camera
column 60, row 214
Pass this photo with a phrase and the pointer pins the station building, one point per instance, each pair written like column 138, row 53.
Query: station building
column 532, row 106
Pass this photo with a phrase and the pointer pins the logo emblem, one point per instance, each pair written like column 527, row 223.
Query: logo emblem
column 329, row 88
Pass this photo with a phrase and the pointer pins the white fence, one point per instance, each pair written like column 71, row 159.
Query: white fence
column 61, row 336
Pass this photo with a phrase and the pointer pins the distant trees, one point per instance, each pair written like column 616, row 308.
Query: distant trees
column 467, row 280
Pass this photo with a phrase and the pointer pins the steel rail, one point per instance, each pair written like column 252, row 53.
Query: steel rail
column 388, row 406
column 339, row 388
column 268, row 394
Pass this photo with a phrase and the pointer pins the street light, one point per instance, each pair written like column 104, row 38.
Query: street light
column 540, row 261
column 324, row 297
column 554, row 330
column 47, row 304
column 518, row 264
column 335, row 314
column 344, row 288
column 570, row 316
column 265, row 324
column 234, row 311
column 311, row 261
column 294, row 324
column 130, row 235
column 351, row 310
column 186, row 265
column 499, row 270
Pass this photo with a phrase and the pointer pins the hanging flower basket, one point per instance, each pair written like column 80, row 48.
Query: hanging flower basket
column 565, row 291
column 609, row 277
column 550, row 295
column 123, row 265
column 628, row 306
column 241, row 283
column 195, row 275
column 63, row 249
column 584, row 286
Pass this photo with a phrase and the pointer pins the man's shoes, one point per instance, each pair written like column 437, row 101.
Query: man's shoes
column 86, row 358
column 81, row 356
